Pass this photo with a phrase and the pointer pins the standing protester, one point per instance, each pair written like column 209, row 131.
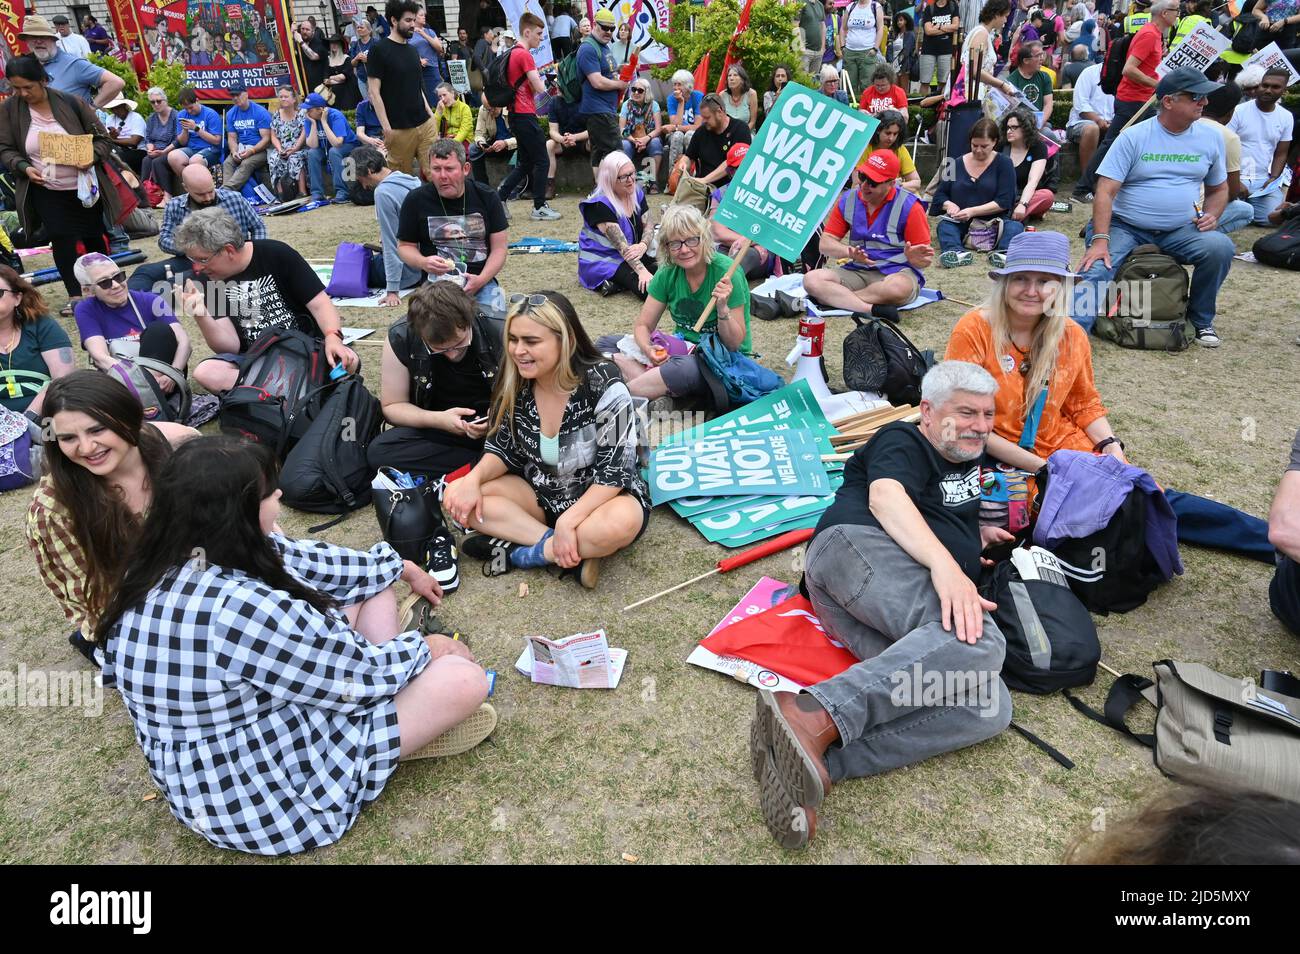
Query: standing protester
column 812, row 31
column 69, row 42
column 405, row 116
column 248, row 137
column 46, row 193
column 601, row 87
column 939, row 24
column 69, row 74
column 1137, row 85
column 521, row 73
column 96, row 35
column 862, row 29
column 391, row 189
column 1265, row 131
column 359, row 50
column 340, row 77
column 453, row 228
column 431, row 49
column 314, row 51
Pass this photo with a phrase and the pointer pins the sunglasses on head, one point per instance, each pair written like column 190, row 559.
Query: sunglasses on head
column 117, row 278
column 532, row 301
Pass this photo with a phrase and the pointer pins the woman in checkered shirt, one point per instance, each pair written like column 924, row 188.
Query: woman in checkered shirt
column 270, row 689
column 99, row 469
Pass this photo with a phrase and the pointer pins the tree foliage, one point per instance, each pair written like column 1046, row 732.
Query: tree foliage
column 769, row 40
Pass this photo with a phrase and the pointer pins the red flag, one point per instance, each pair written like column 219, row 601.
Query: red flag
column 702, row 73
column 741, row 25
column 787, row 639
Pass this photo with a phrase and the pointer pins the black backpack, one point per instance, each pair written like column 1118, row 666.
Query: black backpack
column 1112, row 569
column 879, row 357
column 1112, row 68
column 1051, row 640
column 282, row 382
column 326, row 472
column 1281, row 249
column 496, row 85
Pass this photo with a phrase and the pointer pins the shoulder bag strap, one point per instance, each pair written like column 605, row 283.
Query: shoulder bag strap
column 1123, row 695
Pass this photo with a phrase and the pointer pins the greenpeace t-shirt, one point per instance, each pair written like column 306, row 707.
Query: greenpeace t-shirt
column 670, row 287
column 458, row 228
column 397, row 67
column 247, row 123
column 272, row 292
column 1162, row 172
column 947, row 494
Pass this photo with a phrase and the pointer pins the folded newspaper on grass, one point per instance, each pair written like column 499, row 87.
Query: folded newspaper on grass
column 581, row 661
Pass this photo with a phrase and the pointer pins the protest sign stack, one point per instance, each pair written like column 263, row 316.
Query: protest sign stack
column 751, row 474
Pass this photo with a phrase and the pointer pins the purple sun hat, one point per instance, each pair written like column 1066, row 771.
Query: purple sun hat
column 1047, row 252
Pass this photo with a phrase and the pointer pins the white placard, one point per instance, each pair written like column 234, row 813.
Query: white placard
column 1271, row 56
column 1199, row 49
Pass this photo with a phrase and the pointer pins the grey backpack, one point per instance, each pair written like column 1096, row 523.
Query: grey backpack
column 1148, row 308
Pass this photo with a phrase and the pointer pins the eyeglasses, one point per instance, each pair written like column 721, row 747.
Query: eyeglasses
column 117, row 278
column 637, row 90
column 676, row 245
column 16, row 294
column 533, row 301
column 469, row 338
column 627, row 177
column 1013, row 125
column 204, row 261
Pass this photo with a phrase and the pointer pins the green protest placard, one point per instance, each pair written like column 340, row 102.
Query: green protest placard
column 771, row 462
column 792, row 406
column 795, row 170
column 692, row 507
column 766, row 512
column 751, row 537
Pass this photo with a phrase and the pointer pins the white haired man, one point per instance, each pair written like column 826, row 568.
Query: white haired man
column 891, row 574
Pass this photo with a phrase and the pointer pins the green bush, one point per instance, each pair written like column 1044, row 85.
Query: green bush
column 768, row 42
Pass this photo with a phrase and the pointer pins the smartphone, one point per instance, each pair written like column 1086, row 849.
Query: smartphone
column 479, row 420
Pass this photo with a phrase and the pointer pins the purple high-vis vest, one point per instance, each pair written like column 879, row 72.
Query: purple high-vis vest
column 883, row 240
column 598, row 259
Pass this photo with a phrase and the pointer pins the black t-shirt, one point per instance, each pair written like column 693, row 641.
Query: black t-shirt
column 397, row 67
column 272, row 292
column 1036, row 151
column 596, row 214
column 315, row 69
column 940, row 14
column 947, row 494
column 457, row 228
column 437, row 382
column 708, row 150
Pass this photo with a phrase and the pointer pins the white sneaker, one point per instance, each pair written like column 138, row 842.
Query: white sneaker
column 1206, row 338
column 546, row 214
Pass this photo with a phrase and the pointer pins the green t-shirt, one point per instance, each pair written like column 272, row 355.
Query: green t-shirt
column 1036, row 89
column 669, row 286
column 24, row 372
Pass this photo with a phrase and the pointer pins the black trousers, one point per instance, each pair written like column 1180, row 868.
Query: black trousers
column 1284, row 594
column 626, row 279
column 531, row 159
column 158, row 341
column 417, row 450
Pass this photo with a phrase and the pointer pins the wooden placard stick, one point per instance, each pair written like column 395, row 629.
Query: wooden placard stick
column 849, row 433
column 708, row 309
column 846, row 424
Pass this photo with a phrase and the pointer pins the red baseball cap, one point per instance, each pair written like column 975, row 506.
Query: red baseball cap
column 880, row 166
column 736, row 154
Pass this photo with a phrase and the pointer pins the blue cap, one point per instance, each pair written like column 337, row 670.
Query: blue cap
column 235, row 88
column 314, row 101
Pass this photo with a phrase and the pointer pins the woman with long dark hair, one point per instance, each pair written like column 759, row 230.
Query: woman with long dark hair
column 46, row 192
column 1022, row 144
column 279, row 713
column 100, row 468
column 34, row 348
column 558, row 482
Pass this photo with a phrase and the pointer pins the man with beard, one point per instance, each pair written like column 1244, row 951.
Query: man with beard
column 890, row 573
column 69, row 74
column 1265, row 132
column 393, row 80
column 200, row 193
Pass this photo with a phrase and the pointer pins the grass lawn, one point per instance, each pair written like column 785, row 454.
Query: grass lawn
column 659, row 768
